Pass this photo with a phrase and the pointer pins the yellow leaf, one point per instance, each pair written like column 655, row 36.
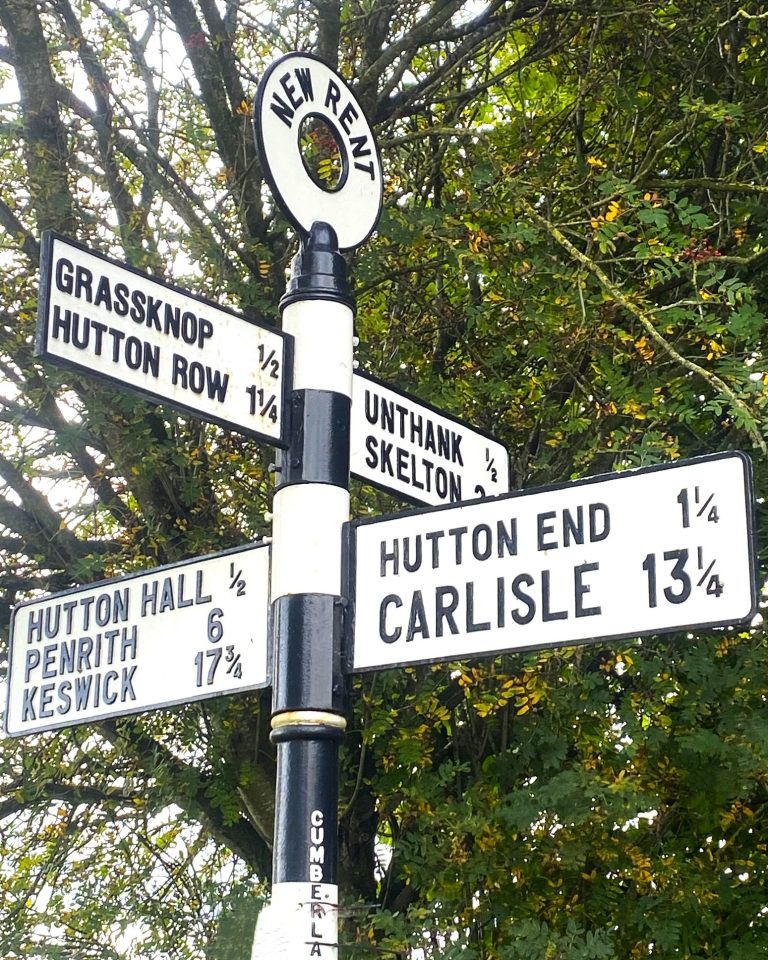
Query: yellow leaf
column 595, row 162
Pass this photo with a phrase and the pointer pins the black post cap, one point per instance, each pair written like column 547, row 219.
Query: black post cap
column 318, row 271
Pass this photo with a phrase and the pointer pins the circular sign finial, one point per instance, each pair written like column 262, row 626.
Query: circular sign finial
column 317, row 149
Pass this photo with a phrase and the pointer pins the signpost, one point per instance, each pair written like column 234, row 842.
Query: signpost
column 301, row 94
column 190, row 631
column 662, row 549
column 415, row 451
column 111, row 321
column 647, row 551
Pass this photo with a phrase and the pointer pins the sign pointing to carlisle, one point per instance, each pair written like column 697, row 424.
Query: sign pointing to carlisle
column 114, row 322
column 642, row 552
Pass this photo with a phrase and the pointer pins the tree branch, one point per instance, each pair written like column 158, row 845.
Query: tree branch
column 645, row 318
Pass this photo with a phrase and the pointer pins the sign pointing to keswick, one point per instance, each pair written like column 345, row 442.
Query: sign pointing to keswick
column 114, row 322
column 190, row 631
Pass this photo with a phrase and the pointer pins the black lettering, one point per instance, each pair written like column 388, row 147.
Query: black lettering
column 501, row 618
column 433, row 538
column 580, row 588
column 188, row 327
column 149, row 598
column 478, row 552
column 546, row 614
column 360, row 146
column 429, row 440
column 49, row 659
column 61, row 326
column 80, row 336
column 347, row 117
column 599, row 514
column 179, row 371
column 204, row 330
column 138, row 300
column 103, row 294
column 46, row 695
column 441, row 482
column 109, row 696
column 402, row 465
column 472, row 626
column 394, row 557
column 371, row 406
column 411, row 565
column 200, row 597
column 32, row 660
column 83, row 283
column 543, row 528
column 458, row 534
column 82, row 691
column 332, row 96
column 417, row 622
column 366, row 168
column 507, row 539
column 128, row 644
column 304, row 77
column 387, row 415
column 390, row 600
column 444, row 442
column 523, row 579
column 446, row 601
column 573, row 528
column 280, row 108
column 117, row 337
column 63, row 275
column 414, row 480
column 290, row 90
column 35, row 626
column 166, row 597
column 386, row 458
column 182, row 600
column 370, row 445
column 455, row 452
column 66, row 701
column 120, row 304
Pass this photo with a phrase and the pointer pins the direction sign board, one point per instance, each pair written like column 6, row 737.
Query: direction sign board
column 296, row 93
column 174, row 634
column 114, row 322
column 412, row 449
column 647, row 551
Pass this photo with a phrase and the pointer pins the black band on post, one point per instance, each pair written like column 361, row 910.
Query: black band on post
column 307, row 798
column 307, row 672
column 316, row 415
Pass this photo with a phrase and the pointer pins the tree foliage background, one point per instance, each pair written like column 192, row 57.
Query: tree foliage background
column 572, row 255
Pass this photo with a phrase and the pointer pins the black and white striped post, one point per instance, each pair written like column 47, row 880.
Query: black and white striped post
column 310, row 506
column 311, row 501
